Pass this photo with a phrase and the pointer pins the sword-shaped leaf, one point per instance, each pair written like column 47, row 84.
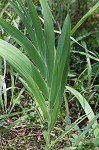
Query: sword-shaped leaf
column 26, row 70
column 25, row 21
column 89, row 112
column 26, row 45
column 61, row 61
column 38, row 28
column 49, row 39
column 89, row 13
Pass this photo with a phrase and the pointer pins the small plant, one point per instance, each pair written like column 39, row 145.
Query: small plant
column 47, row 71
column 43, row 66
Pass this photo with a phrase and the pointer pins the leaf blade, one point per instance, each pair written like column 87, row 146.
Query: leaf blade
column 62, row 56
column 23, row 65
column 38, row 28
column 90, row 12
column 49, row 39
column 25, row 22
column 86, row 108
column 25, row 44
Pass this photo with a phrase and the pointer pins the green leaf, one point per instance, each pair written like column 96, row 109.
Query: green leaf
column 38, row 28
column 28, row 72
column 67, row 130
column 25, row 21
column 26, row 45
column 89, row 112
column 86, row 130
column 59, row 99
column 49, row 39
column 89, row 13
column 4, row 9
column 71, row 127
column 24, row 10
column 87, row 55
column 60, row 72
column 61, row 61
column 54, row 113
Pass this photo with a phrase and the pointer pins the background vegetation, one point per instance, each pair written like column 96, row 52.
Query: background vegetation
column 22, row 123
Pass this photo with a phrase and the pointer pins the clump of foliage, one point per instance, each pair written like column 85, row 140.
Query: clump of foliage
column 43, row 68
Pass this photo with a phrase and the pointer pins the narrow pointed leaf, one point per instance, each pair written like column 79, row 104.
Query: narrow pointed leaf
column 62, row 57
column 26, row 45
column 25, row 21
column 86, row 108
column 73, row 125
column 89, row 13
column 23, row 66
column 49, row 39
column 59, row 97
column 24, row 10
column 78, row 140
column 38, row 28
column 56, row 109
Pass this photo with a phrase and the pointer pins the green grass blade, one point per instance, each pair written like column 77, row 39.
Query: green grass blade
column 49, row 39
column 71, row 127
column 24, row 10
column 4, row 9
column 26, row 45
column 86, row 108
column 27, row 71
column 88, row 55
column 17, row 100
column 5, row 116
column 25, row 21
column 83, row 53
column 61, row 62
column 38, row 28
column 82, row 37
column 67, row 130
column 89, row 13
column 86, row 130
